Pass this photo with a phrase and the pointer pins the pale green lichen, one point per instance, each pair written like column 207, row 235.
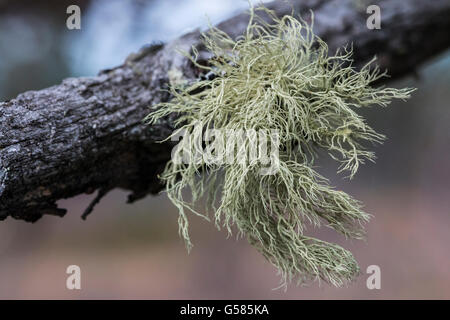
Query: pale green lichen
column 280, row 77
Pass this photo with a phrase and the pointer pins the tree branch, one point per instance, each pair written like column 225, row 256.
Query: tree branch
column 87, row 133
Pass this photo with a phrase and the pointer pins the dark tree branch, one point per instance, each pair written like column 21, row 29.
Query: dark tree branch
column 87, row 133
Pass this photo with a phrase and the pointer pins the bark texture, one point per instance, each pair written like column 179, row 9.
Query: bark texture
column 86, row 134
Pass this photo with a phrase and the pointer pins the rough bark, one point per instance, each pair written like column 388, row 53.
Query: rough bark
column 86, row 134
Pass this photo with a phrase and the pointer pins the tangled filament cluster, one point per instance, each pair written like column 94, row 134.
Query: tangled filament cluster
column 279, row 77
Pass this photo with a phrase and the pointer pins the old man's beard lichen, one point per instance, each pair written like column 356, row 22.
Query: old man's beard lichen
column 279, row 77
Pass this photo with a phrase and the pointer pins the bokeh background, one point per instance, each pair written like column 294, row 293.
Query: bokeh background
column 134, row 252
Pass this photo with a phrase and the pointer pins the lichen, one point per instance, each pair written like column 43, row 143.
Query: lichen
column 279, row 76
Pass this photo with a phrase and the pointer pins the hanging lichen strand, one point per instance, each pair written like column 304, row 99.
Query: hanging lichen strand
column 277, row 77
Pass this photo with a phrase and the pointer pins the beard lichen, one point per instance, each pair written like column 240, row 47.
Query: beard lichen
column 278, row 77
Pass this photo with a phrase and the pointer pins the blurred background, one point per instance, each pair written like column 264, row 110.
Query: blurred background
column 134, row 252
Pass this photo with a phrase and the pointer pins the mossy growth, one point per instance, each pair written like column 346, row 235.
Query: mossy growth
column 279, row 77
